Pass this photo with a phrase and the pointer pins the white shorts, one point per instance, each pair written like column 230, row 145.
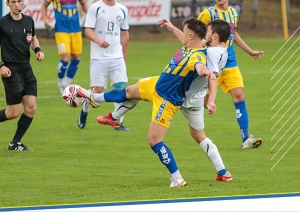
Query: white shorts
column 101, row 69
column 193, row 110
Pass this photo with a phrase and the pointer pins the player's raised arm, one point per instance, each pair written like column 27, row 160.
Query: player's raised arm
column 169, row 26
column 84, row 5
column 239, row 41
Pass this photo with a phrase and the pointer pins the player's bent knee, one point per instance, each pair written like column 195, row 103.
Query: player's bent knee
column 13, row 113
column 30, row 111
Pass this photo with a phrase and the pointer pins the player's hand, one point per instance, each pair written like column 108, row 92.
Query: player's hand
column 257, row 54
column 5, row 72
column 211, row 108
column 103, row 44
column 47, row 24
column 210, row 74
column 166, row 23
column 39, row 56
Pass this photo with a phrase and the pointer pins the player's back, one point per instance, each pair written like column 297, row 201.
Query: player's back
column 231, row 16
column 179, row 74
column 66, row 16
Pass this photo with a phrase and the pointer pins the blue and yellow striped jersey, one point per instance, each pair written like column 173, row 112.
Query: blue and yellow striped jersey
column 179, row 74
column 231, row 15
column 66, row 15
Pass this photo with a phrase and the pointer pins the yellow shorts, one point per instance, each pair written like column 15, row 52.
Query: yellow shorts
column 230, row 78
column 69, row 42
column 162, row 110
column 147, row 87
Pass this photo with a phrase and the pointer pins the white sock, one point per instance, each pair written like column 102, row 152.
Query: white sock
column 123, row 108
column 61, row 82
column 117, row 106
column 177, row 175
column 86, row 106
column 67, row 81
column 213, row 154
column 99, row 97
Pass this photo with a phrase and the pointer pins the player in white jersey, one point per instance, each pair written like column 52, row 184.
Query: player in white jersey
column 192, row 107
column 107, row 27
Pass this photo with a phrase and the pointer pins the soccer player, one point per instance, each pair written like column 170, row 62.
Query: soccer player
column 68, row 37
column 231, row 79
column 17, row 36
column 145, row 90
column 107, row 27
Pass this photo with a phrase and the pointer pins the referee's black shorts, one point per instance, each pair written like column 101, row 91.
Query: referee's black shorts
column 21, row 82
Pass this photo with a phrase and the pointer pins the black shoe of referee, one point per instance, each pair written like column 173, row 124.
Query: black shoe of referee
column 18, row 147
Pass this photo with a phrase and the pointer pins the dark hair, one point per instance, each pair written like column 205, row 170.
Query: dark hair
column 220, row 27
column 198, row 27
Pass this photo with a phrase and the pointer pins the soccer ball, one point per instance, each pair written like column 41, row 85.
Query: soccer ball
column 71, row 98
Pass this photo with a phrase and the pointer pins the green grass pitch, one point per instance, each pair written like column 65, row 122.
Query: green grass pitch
column 99, row 164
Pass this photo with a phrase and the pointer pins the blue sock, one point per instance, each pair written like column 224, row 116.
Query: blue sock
column 165, row 155
column 62, row 67
column 116, row 95
column 73, row 67
column 222, row 172
column 242, row 118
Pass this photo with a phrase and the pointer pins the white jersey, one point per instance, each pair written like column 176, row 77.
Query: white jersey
column 216, row 60
column 107, row 22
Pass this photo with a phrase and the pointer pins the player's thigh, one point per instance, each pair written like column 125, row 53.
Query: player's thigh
column 14, row 85
column 194, row 116
column 117, row 71
column 30, row 86
column 162, row 111
column 63, row 42
column 99, row 73
column 76, row 43
column 230, row 78
column 147, row 87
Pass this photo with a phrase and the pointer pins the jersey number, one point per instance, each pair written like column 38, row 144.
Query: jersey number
column 110, row 26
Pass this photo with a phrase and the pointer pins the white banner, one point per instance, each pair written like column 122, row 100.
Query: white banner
column 147, row 12
column 141, row 12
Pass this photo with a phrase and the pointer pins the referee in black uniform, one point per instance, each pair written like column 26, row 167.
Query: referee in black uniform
column 17, row 35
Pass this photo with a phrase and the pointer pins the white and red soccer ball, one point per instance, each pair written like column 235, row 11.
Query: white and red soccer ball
column 71, row 98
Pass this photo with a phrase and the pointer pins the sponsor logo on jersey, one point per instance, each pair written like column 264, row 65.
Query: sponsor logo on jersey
column 199, row 58
column 119, row 18
column 216, row 16
column 28, row 37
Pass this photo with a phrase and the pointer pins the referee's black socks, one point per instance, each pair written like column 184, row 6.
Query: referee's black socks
column 3, row 116
column 23, row 124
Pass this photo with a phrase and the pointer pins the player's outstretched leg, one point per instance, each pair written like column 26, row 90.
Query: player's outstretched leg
column 87, row 94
